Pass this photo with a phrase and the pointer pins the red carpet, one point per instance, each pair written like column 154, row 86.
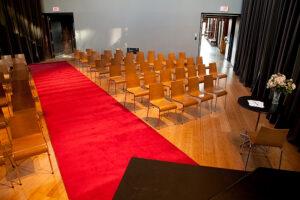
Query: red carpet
column 93, row 136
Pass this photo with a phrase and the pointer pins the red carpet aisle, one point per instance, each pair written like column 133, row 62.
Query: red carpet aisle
column 93, row 136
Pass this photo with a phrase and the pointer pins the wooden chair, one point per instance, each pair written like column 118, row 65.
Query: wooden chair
column 216, row 75
column 166, row 78
column 151, row 57
column 181, row 55
column 268, row 137
column 32, row 144
column 8, row 59
column 194, row 91
column 178, row 95
column 149, row 78
column 161, row 58
column 158, row 66
column 157, row 99
column 140, row 58
column 199, row 60
column 180, row 63
column 211, row 89
column 201, row 72
column 21, row 56
column 115, row 77
column 172, row 56
column 192, row 72
column 170, row 65
column 108, row 54
column 190, row 61
column 179, row 73
column 133, row 87
column 83, row 59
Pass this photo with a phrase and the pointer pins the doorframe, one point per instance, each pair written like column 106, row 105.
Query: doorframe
column 213, row 15
column 48, row 32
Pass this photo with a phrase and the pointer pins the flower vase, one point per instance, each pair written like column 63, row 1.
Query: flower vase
column 275, row 101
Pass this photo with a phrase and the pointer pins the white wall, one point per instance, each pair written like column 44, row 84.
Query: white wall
column 161, row 25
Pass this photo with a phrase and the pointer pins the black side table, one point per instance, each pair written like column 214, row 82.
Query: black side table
column 243, row 101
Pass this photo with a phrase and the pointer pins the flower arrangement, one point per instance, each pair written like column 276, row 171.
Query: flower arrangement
column 279, row 83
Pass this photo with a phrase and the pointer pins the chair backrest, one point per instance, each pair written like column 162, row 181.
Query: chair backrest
column 156, row 91
column 181, row 55
column 180, row 62
column 213, row 68
column 160, row 57
column 190, row 61
column 193, row 84
column 140, row 57
column 177, row 88
column 99, row 63
column 144, row 66
column 158, row 66
column 114, row 70
column 199, row 60
column 191, row 71
column 208, row 83
column 151, row 56
column 201, row 70
column 271, row 137
column 21, row 56
column 130, row 69
column 8, row 59
column 108, row 54
column 91, row 59
column 149, row 77
column 165, row 75
column 171, row 56
column 179, row 73
column 132, row 81
column 170, row 64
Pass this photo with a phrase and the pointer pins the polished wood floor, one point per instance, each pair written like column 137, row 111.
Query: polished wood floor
column 210, row 139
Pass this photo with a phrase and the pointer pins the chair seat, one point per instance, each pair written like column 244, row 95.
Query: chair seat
column 202, row 96
column 118, row 79
column 138, row 91
column 218, row 91
column 102, row 71
column 222, row 75
column 163, row 104
column 84, row 60
column 27, row 146
column 185, row 100
column 263, row 141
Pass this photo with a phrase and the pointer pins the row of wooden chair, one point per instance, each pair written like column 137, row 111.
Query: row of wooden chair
column 15, row 147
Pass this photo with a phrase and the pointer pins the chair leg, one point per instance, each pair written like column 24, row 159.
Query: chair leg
column 280, row 158
column 250, row 149
column 158, row 119
column 147, row 112
column 181, row 115
column 108, row 83
column 197, row 105
column 115, row 88
column 125, row 99
column 52, row 171
column 18, row 174
column 134, row 103
column 216, row 104
column 225, row 101
column 225, row 82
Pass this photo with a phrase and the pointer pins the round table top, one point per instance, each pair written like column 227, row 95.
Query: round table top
column 243, row 101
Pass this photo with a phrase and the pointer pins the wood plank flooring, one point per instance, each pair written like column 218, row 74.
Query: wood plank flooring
column 211, row 140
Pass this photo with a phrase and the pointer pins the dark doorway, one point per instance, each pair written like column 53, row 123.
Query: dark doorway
column 220, row 30
column 60, row 33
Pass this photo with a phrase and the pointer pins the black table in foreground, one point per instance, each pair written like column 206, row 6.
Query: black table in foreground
column 150, row 179
column 243, row 101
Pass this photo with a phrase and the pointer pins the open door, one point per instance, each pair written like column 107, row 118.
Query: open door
column 60, row 33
